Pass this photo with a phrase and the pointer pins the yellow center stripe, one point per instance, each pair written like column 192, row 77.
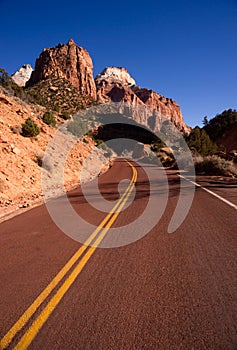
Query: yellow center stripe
column 33, row 330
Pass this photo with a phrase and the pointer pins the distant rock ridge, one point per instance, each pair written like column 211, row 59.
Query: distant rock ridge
column 67, row 61
column 116, row 85
column 22, row 75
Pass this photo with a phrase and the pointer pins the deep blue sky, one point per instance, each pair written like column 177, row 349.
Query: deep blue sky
column 183, row 49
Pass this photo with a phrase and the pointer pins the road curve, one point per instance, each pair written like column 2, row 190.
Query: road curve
column 164, row 291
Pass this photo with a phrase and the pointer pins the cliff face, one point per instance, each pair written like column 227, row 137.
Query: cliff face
column 166, row 107
column 116, row 85
column 67, row 61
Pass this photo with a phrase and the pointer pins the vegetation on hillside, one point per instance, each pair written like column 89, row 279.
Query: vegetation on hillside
column 214, row 165
column 65, row 115
column 199, row 142
column 12, row 89
column 218, row 125
column 30, row 129
column 57, row 94
column 49, row 118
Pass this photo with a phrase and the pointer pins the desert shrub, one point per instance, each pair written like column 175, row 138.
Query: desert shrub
column 214, row 165
column 35, row 97
column 29, row 128
column 49, row 119
column 65, row 115
column 57, row 108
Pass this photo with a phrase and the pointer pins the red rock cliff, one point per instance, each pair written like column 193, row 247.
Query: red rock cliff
column 67, row 61
column 116, row 85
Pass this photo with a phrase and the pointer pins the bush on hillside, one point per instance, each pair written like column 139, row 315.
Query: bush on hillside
column 63, row 96
column 29, row 128
column 49, row 119
column 218, row 125
column 65, row 115
column 214, row 165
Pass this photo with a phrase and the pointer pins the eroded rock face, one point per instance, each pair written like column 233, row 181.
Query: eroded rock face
column 116, row 85
column 67, row 61
column 22, row 75
column 164, row 106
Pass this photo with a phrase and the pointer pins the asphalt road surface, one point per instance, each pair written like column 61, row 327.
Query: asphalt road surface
column 163, row 291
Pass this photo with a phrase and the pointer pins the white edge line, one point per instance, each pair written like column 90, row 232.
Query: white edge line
column 213, row 193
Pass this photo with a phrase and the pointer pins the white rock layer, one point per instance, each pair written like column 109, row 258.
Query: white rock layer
column 23, row 74
column 114, row 74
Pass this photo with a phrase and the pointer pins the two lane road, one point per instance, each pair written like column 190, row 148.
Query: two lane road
column 164, row 291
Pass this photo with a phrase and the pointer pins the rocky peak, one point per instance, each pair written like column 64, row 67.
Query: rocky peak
column 115, row 75
column 22, row 75
column 67, row 61
column 71, row 42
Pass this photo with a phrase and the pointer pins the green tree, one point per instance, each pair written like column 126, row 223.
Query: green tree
column 199, row 141
column 29, row 128
column 218, row 125
column 205, row 121
column 49, row 119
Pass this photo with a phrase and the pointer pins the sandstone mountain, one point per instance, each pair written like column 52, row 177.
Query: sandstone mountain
column 73, row 64
column 116, row 85
column 22, row 75
column 67, row 61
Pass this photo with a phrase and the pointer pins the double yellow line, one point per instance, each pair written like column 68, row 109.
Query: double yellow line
column 98, row 236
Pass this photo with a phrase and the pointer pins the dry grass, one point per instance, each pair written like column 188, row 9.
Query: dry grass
column 214, row 165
